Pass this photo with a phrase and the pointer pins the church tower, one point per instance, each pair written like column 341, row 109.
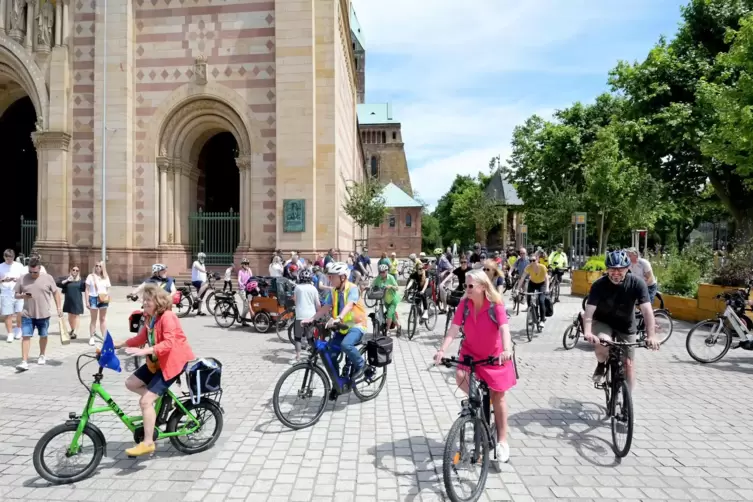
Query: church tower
column 359, row 50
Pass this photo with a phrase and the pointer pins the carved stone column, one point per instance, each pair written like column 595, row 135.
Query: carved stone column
column 177, row 204
column 244, row 165
column 59, row 23
column 66, row 24
column 170, row 216
column 31, row 15
column 163, row 165
column 52, row 154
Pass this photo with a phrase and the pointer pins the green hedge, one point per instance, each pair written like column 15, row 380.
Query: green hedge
column 595, row 264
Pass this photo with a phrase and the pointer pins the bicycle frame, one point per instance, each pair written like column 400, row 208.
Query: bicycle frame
column 131, row 422
column 339, row 384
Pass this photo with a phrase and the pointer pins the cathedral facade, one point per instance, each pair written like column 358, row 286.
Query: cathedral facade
column 163, row 128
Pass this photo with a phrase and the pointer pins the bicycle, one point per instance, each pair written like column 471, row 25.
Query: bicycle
column 379, row 316
column 190, row 301
column 81, row 426
column 333, row 383
column 663, row 324
column 732, row 323
column 614, row 384
column 453, row 300
column 556, row 273
column 416, row 313
column 476, row 412
column 532, row 315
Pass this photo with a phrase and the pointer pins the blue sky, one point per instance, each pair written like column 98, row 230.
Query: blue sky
column 462, row 75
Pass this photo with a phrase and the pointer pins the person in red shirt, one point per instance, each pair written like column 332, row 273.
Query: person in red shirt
column 167, row 352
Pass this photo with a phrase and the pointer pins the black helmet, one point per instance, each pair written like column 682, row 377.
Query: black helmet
column 304, row 275
column 617, row 259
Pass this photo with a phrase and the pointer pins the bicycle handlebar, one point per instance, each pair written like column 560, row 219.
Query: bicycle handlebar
column 610, row 343
column 467, row 361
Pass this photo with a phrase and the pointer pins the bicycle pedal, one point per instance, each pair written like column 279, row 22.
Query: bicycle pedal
column 601, row 385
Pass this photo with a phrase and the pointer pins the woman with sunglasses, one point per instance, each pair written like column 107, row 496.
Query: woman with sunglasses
column 98, row 295
column 495, row 275
column 74, row 296
column 486, row 334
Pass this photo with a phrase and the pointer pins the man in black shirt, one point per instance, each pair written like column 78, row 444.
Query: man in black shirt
column 610, row 313
column 476, row 255
column 459, row 273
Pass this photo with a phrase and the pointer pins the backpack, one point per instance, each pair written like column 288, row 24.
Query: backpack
column 467, row 310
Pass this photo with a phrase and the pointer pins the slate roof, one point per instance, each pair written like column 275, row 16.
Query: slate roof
column 394, row 196
column 503, row 190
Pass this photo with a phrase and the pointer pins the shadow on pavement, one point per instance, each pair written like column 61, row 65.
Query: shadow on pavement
column 723, row 365
column 12, row 362
column 562, row 417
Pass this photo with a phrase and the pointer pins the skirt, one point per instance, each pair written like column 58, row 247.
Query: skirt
column 498, row 378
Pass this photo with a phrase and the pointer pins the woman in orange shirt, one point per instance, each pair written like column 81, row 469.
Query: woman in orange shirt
column 167, row 353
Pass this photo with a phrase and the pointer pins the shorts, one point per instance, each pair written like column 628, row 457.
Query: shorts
column 197, row 284
column 28, row 324
column 155, row 382
column 652, row 292
column 299, row 330
column 391, row 310
column 602, row 328
column 9, row 305
column 95, row 304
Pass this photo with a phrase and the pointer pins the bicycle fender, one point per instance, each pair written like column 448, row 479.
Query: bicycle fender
column 94, row 429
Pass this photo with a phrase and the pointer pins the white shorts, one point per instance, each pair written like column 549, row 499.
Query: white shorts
column 9, row 305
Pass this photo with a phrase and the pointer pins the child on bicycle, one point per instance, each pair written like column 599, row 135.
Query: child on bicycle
column 391, row 296
column 167, row 353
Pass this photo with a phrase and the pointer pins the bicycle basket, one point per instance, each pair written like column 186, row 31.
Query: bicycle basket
column 203, row 377
column 375, row 294
column 379, row 351
column 453, row 300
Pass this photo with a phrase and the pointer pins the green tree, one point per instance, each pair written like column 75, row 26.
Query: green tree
column 680, row 107
column 450, row 229
column 473, row 206
column 364, row 203
column 430, row 235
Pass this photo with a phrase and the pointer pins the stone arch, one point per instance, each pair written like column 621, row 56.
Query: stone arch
column 17, row 64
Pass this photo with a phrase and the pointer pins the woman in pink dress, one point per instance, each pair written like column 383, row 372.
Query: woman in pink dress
column 483, row 338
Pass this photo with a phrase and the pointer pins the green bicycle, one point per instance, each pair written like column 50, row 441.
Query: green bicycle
column 189, row 417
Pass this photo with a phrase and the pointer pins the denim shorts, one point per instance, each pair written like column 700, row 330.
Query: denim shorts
column 154, row 382
column 28, row 324
column 94, row 303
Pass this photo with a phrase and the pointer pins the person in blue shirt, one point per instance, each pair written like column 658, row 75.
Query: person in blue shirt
column 365, row 262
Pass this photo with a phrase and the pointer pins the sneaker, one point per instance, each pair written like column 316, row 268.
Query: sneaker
column 17, row 334
column 42, row 360
column 601, row 369
column 23, row 366
column 9, row 339
column 92, row 341
column 502, row 452
column 359, row 372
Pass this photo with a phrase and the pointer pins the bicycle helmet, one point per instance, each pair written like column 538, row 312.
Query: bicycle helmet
column 244, row 261
column 338, row 269
column 157, row 268
column 422, row 255
column 438, row 251
column 304, row 275
column 201, row 256
column 412, row 256
column 383, row 267
column 617, row 259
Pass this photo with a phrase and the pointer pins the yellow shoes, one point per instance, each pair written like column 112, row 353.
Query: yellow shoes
column 140, row 449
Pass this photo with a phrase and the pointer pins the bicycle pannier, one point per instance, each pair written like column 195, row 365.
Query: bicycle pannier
column 203, row 377
column 548, row 306
column 379, row 351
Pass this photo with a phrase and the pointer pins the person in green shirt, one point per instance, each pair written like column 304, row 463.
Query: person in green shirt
column 393, row 265
column 391, row 295
column 383, row 260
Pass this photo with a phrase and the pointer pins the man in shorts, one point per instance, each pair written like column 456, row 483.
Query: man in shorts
column 610, row 313
column 641, row 267
column 10, row 272
column 307, row 302
column 36, row 289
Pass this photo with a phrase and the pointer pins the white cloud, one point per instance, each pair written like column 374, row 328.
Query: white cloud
column 434, row 55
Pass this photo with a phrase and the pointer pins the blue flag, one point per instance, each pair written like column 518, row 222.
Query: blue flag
column 107, row 357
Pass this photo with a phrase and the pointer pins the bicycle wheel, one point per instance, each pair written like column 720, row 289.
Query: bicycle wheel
column 412, row 322
column 432, row 314
column 663, row 325
column 62, row 475
column 466, row 450
column 184, row 307
column 210, row 300
column 556, row 292
column 371, row 384
column 204, row 411
column 661, row 300
column 622, row 419
column 303, row 391
column 712, row 336
column 224, row 314
column 570, row 338
column 262, row 322
column 517, row 304
column 284, row 322
column 530, row 322
column 448, row 321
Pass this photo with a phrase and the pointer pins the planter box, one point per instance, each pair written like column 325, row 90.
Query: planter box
column 582, row 281
column 685, row 309
column 695, row 310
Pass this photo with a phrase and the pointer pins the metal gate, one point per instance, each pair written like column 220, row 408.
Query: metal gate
column 28, row 235
column 215, row 234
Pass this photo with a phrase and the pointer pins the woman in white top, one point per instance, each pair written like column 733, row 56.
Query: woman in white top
column 98, row 293
column 276, row 268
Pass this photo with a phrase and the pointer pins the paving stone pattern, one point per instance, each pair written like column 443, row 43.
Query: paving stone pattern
column 693, row 438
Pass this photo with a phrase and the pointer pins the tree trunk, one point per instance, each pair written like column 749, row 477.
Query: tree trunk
column 682, row 232
column 607, row 231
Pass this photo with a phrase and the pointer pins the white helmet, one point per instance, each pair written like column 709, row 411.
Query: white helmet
column 201, row 256
column 338, row 269
column 422, row 255
column 157, row 268
column 383, row 267
column 412, row 256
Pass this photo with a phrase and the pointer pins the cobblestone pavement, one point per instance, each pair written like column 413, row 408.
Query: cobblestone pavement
column 693, row 438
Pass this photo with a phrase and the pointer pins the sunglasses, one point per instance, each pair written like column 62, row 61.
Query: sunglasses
column 487, row 270
column 74, row 270
column 464, row 263
column 469, row 286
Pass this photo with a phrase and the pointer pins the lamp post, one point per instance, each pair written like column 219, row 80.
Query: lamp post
column 104, row 133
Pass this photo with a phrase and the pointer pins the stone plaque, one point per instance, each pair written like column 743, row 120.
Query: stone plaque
column 294, row 215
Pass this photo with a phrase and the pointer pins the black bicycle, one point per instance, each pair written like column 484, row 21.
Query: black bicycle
column 415, row 318
column 379, row 316
column 453, row 300
column 617, row 393
column 555, row 285
column 470, row 452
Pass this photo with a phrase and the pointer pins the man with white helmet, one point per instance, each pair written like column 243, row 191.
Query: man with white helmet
column 345, row 304
column 199, row 278
column 160, row 278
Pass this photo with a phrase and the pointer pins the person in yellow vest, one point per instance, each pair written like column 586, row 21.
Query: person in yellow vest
column 346, row 305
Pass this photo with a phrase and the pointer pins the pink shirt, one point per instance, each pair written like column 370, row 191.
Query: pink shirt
column 243, row 277
column 482, row 336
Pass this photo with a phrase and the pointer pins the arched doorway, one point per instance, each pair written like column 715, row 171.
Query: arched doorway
column 18, row 219
column 215, row 221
